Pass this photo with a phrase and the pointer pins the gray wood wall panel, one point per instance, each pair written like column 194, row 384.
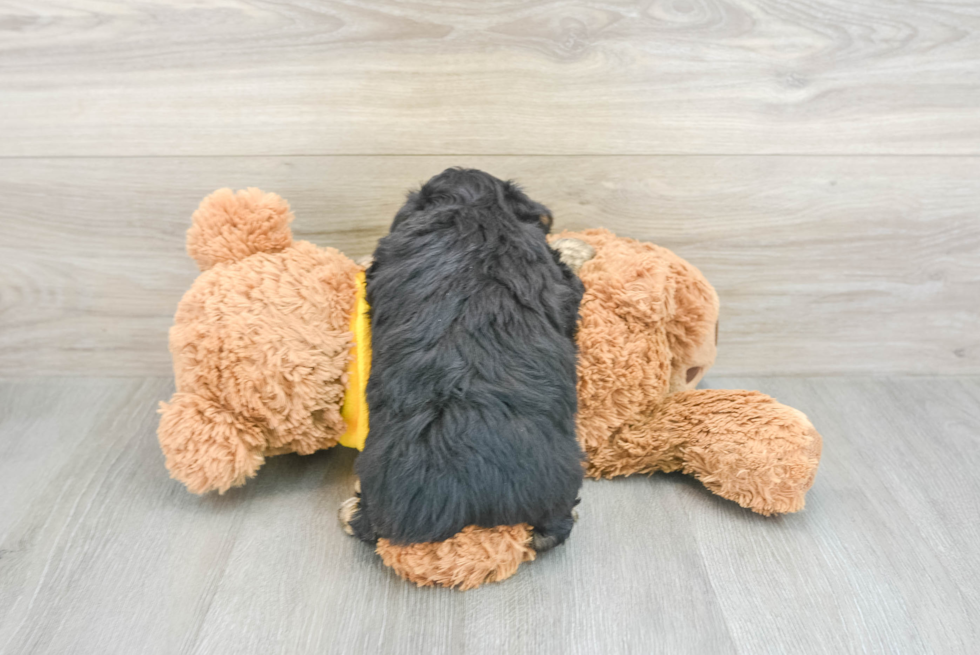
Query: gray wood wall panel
column 827, row 178
column 101, row 553
column 824, row 264
column 498, row 77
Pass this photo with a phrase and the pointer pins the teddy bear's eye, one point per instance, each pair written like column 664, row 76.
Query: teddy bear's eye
column 693, row 373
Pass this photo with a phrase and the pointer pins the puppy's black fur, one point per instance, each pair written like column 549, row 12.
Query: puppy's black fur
column 472, row 390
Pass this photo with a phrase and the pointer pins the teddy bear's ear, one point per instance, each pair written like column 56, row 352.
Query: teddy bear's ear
column 230, row 226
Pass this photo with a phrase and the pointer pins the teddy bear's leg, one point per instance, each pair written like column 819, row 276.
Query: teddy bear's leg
column 208, row 448
column 467, row 560
column 742, row 445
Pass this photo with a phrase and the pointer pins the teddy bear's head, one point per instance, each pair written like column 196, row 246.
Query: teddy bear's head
column 261, row 344
column 648, row 328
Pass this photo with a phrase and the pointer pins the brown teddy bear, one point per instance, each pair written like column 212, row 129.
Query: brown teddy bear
column 266, row 362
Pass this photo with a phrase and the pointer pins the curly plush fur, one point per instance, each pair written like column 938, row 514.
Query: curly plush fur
column 260, row 344
column 466, row 560
column 472, row 388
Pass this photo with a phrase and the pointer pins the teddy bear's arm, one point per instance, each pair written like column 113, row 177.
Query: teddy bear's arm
column 742, row 445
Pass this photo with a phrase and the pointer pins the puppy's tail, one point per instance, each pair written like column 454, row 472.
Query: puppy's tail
column 470, row 558
column 230, row 226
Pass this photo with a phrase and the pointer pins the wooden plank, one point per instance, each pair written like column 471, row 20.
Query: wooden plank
column 884, row 557
column 501, row 77
column 41, row 424
column 100, row 538
column 103, row 553
column 619, row 584
column 824, row 264
column 121, row 559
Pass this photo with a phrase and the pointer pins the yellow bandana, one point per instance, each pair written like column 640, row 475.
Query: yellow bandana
column 355, row 408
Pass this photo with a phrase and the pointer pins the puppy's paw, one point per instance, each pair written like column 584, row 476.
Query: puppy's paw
column 574, row 252
column 348, row 509
column 541, row 542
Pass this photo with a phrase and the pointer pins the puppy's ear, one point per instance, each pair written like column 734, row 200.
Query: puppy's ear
column 538, row 214
column 546, row 219
column 526, row 210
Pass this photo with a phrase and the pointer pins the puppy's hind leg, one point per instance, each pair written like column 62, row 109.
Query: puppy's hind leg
column 355, row 520
column 553, row 531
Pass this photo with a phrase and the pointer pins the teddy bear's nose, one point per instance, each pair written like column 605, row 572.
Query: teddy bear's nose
column 692, row 373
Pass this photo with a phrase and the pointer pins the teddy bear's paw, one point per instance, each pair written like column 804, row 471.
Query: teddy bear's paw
column 348, row 509
column 207, row 446
column 774, row 481
column 797, row 474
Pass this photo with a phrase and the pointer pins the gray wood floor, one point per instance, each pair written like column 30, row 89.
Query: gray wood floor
column 101, row 553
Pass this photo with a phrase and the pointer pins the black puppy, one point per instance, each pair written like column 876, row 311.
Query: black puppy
column 472, row 390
